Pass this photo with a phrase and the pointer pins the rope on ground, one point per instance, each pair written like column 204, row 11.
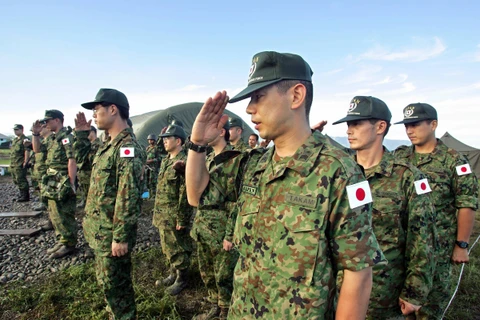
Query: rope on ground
column 459, row 279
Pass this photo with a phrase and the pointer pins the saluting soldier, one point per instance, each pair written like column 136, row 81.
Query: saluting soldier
column 18, row 161
column 455, row 196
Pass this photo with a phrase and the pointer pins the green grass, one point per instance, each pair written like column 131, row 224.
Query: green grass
column 5, row 161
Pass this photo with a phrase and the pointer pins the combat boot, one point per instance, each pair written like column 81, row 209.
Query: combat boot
column 54, row 248
column 213, row 313
column 39, row 207
column 47, row 226
column 24, row 196
column 62, row 252
column 168, row 281
column 180, row 283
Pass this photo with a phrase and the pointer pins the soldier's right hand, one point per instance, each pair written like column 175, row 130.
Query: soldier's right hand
column 81, row 123
column 210, row 120
column 36, row 127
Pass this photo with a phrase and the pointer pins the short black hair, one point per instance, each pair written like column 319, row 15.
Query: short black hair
column 284, row 85
column 373, row 121
column 256, row 136
column 124, row 112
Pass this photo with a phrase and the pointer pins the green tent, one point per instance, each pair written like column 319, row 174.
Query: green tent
column 472, row 154
column 154, row 121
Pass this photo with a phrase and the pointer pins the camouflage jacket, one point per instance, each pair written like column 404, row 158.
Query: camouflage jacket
column 241, row 146
column 403, row 222
column 451, row 191
column 17, row 152
column 40, row 158
column 215, row 224
column 85, row 150
column 171, row 205
column 113, row 205
column 153, row 153
column 60, row 150
column 294, row 229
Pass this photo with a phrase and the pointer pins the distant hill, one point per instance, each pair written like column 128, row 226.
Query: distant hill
column 390, row 144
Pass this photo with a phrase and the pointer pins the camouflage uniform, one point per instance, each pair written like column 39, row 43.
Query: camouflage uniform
column 17, row 158
column 111, row 214
column 210, row 227
column 61, row 212
column 84, row 157
column 403, row 222
column 240, row 146
column 40, row 168
column 450, row 193
column 151, row 171
column 294, row 229
column 171, row 208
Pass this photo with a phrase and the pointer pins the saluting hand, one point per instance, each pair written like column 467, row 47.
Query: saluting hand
column 210, row 120
column 36, row 127
column 320, row 126
column 81, row 123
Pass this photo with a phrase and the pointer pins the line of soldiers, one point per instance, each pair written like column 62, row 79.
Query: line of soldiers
column 302, row 230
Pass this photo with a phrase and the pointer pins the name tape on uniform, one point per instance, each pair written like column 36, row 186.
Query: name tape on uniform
column 463, row 169
column 359, row 194
column 65, row 141
column 422, row 186
column 127, row 152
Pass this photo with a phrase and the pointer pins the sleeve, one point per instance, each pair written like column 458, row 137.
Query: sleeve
column 231, row 219
column 353, row 244
column 69, row 147
column 127, row 204
column 420, row 242
column 184, row 211
column 465, row 186
column 82, row 146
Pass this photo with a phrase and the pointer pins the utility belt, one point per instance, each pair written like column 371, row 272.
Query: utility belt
column 56, row 185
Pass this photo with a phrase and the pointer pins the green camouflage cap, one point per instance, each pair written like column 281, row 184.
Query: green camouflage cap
column 416, row 112
column 235, row 122
column 364, row 108
column 270, row 67
column 52, row 114
column 17, row 127
column 176, row 131
column 110, row 96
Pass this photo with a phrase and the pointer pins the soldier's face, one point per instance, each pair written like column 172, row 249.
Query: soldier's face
column 170, row 143
column 421, row 132
column 102, row 116
column 361, row 134
column 252, row 141
column 18, row 132
column 151, row 142
column 235, row 133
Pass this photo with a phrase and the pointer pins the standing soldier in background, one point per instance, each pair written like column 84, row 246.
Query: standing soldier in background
column 113, row 201
column 40, row 169
column 18, row 160
column 236, row 130
column 153, row 163
column 402, row 215
column 213, row 232
column 58, row 185
column 253, row 141
column 455, row 196
column 84, row 157
column 172, row 213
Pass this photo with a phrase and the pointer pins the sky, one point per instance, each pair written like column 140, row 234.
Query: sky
column 57, row 54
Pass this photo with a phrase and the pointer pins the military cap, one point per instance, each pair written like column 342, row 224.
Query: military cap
column 110, row 96
column 176, row 131
column 270, row 67
column 235, row 122
column 416, row 112
column 92, row 128
column 17, row 127
column 364, row 108
column 177, row 122
column 52, row 114
column 151, row 136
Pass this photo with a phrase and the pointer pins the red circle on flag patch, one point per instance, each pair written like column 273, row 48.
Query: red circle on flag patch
column 127, row 152
column 360, row 194
column 463, row 169
column 423, row 186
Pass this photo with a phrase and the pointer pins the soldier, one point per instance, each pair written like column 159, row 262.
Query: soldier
column 18, row 160
column 236, row 130
column 213, row 232
column 84, row 157
column 253, row 141
column 455, row 196
column 402, row 215
column 112, row 208
column 172, row 214
column 153, row 162
column 58, row 185
column 296, row 226
column 40, row 169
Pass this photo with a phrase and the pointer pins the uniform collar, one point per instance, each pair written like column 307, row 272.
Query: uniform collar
column 384, row 167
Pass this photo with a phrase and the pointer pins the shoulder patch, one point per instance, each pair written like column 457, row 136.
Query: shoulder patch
column 65, row 141
column 422, row 186
column 359, row 194
column 127, row 152
column 463, row 169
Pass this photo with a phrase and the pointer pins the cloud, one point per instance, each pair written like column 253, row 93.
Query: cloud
column 364, row 74
column 329, row 73
column 192, row 87
column 422, row 51
column 387, row 79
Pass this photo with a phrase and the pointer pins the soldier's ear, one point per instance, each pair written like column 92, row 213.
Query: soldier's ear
column 434, row 125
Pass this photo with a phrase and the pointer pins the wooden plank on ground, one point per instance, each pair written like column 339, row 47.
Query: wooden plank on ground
column 28, row 214
column 19, row 232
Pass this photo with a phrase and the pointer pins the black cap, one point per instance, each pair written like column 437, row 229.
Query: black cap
column 416, row 112
column 52, row 114
column 364, row 108
column 110, row 96
column 17, row 127
column 92, row 128
column 176, row 131
column 235, row 122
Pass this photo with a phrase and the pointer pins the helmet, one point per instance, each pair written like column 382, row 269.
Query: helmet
column 177, row 122
column 151, row 136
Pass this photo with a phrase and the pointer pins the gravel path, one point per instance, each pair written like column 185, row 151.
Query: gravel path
column 25, row 258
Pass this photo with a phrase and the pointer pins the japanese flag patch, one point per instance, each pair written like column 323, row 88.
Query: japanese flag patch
column 65, row 141
column 127, row 152
column 463, row 169
column 359, row 194
column 422, row 186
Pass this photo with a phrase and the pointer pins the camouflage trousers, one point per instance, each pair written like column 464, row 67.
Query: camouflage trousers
column 84, row 182
column 114, row 275
column 19, row 176
column 177, row 246
column 151, row 181
column 216, row 269
column 62, row 215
